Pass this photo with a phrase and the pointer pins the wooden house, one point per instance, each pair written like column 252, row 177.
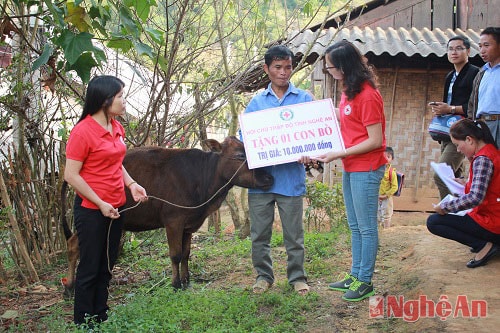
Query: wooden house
column 406, row 41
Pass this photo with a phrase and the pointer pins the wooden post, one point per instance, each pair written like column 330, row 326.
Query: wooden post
column 17, row 233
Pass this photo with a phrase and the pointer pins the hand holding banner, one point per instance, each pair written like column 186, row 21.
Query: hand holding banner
column 284, row 134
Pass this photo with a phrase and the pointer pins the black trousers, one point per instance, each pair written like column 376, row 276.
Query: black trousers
column 462, row 229
column 98, row 254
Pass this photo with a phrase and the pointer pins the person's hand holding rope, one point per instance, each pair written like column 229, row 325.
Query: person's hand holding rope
column 108, row 210
column 138, row 192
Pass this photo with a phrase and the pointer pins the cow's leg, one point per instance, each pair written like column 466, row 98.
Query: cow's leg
column 174, row 237
column 73, row 255
column 186, row 250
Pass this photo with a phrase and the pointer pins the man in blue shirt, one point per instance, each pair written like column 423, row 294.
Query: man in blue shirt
column 289, row 184
column 484, row 101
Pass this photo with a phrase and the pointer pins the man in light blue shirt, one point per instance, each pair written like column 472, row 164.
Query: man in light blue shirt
column 289, row 184
column 485, row 97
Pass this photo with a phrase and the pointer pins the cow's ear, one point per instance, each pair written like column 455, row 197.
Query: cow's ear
column 212, row 145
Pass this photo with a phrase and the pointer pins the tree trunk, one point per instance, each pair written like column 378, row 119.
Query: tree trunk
column 245, row 226
column 233, row 209
column 3, row 272
column 214, row 221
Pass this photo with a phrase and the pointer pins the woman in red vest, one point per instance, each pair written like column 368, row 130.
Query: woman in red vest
column 479, row 228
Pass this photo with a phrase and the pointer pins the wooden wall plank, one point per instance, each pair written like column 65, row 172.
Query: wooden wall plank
column 442, row 14
column 478, row 14
column 493, row 14
column 385, row 22
column 403, row 18
column 462, row 14
column 471, row 14
column 383, row 13
column 421, row 16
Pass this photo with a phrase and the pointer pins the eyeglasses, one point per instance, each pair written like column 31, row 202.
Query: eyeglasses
column 330, row 67
column 456, row 49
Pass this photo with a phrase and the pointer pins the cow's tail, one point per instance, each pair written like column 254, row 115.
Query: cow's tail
column 67, row 231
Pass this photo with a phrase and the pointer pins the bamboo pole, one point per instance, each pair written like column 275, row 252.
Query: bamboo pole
column 393, row 101
column 17, row 233
column 420, row 147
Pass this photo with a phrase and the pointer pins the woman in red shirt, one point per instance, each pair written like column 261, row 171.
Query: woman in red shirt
column 362, row 126
column 94, row 155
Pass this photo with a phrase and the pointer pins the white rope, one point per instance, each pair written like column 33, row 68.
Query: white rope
column 170, row 203
column 203, row 204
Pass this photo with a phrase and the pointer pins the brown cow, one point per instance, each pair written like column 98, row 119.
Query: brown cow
column 184, row 177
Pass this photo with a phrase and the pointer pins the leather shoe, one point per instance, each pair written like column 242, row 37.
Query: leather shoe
column 476, row 263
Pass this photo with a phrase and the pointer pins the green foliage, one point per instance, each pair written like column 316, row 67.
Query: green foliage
column 152, row 305
column 233, row 310
column 5, row 257
column 145, row 251
column 75, row 24
column 277, row 240
column 75, row 45
column 44, row 57
column 325, row 207
column 323, row 245
column 145, row 26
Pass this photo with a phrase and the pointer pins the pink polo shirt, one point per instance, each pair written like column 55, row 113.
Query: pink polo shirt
column 102, row 156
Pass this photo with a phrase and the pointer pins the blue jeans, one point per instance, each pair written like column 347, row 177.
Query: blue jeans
column 361, row 202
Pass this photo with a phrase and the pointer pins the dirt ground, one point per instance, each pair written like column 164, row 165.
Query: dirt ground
column 412, row 265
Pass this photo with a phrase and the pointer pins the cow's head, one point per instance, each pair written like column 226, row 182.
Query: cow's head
column 234, row 163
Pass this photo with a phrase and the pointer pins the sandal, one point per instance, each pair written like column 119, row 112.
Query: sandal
column 261, row 286
column 301, row 288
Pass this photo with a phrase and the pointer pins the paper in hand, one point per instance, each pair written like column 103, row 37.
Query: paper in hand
column 449, row 197
column 445, row 172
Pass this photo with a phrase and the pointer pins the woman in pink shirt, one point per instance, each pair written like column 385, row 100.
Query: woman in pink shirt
column 94, row 155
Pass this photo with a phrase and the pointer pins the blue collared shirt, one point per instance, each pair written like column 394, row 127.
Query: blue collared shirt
column 289, row 178
column 489, row 91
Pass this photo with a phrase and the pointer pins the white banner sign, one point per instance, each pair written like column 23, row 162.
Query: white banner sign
column 284, row 134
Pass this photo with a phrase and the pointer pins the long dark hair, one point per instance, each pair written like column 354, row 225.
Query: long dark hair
column 101, row 91
column 354, row 66
column 476, row 129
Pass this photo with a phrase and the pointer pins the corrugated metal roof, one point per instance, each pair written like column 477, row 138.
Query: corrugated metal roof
column 423, row 42
column 312, row 44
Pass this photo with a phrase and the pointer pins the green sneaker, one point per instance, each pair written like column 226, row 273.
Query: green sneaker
column 344, row 284
column 358, row 291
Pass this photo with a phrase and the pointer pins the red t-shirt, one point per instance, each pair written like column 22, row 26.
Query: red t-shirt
column 367, row 108
column 102, row 156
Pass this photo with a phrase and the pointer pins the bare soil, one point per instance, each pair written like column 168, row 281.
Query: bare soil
column 412, row 263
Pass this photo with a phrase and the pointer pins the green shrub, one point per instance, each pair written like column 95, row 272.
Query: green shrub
column 325, row 207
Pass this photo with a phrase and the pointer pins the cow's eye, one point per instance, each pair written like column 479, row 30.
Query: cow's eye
column 240, row 156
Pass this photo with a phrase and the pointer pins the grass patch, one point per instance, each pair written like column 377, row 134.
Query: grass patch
column 203, row 310
column 218, row 300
